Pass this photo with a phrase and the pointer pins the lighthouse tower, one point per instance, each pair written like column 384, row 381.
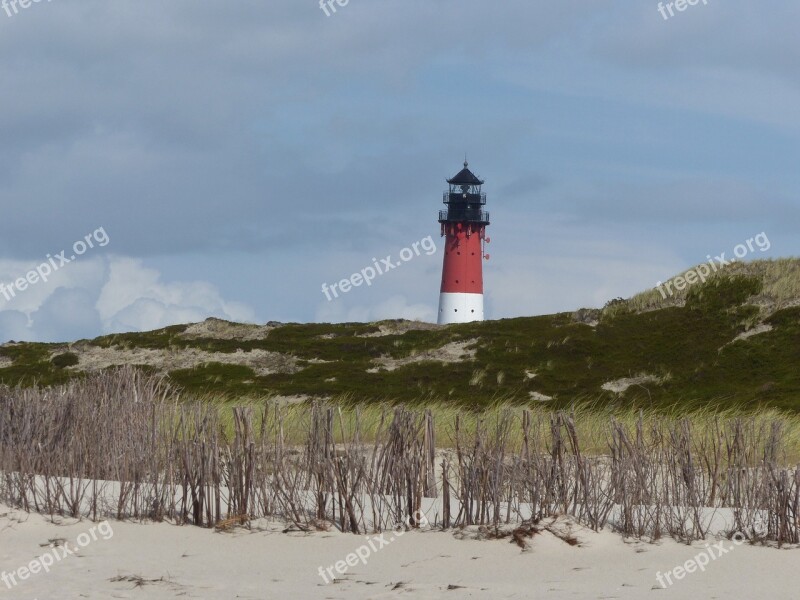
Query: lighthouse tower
column 464, row 226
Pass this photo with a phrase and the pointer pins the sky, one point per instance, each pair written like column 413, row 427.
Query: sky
column 234, row 157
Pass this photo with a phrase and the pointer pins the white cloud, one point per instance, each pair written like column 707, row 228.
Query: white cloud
column 135, row 298
column 67, row 314
column 88, row 273
column 109, row 295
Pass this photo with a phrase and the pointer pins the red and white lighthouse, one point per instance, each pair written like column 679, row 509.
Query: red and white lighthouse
column 464, row 227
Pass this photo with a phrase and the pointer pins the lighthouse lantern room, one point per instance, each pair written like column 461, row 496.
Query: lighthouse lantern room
column 463, row 225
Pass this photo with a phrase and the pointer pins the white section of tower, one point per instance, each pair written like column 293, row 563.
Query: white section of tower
column 460, row 308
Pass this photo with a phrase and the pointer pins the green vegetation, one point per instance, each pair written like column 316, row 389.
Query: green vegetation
column 688, row 352
column 780, row 281
column 162, row 338
column 68, row 359
column 591, row 421
column 229, row 380
column 31, row 365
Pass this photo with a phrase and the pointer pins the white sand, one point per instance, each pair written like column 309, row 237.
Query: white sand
column 190, row 562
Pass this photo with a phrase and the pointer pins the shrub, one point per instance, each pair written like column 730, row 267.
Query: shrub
column 67, row 359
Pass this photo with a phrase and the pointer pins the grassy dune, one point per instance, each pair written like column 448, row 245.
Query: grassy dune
column 731, row 343
column 592, row 422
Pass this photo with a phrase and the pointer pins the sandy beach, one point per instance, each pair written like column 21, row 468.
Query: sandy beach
column 159, row 561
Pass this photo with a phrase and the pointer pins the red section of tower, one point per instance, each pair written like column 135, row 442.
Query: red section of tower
column 462, row 271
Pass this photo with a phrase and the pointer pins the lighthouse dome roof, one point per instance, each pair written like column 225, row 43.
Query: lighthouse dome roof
column 465, row 177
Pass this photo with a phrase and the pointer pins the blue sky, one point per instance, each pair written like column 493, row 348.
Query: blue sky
column 240, row 155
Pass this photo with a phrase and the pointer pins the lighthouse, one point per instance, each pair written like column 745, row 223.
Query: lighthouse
column 463, row 225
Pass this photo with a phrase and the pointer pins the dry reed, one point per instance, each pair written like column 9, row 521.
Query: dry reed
column 123, row 444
